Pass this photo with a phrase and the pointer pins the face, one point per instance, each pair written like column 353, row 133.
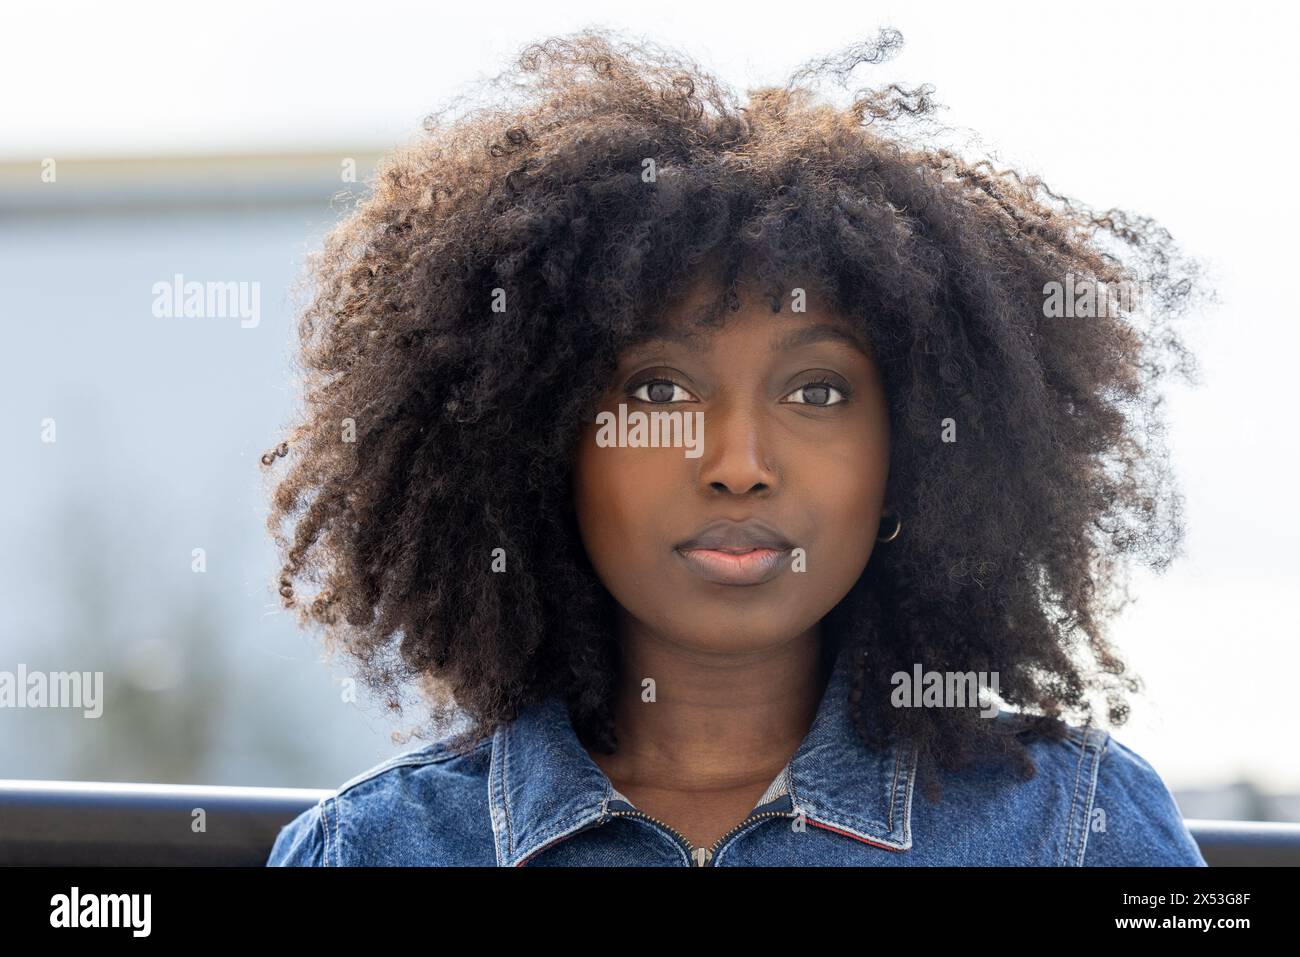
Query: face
column 744, row 534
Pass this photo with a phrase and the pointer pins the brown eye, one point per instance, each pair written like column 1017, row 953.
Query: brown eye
column 817, row 393
column 660, row 391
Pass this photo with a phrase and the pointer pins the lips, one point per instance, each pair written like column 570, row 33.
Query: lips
column 749, row 552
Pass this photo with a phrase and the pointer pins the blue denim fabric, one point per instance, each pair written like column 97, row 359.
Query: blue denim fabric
column 531, row 794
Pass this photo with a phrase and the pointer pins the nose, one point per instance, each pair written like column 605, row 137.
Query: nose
column 737, row 456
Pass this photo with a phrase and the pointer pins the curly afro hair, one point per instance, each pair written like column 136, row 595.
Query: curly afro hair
column 436, row 429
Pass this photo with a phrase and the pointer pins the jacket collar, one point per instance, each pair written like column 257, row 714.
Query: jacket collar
column 543, row 786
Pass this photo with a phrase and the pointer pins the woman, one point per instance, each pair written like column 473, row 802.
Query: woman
column 739, row 485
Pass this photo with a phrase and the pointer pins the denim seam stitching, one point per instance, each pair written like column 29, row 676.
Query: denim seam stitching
column 906, row 786
column 893, row 792
column 1074, row 796
column 1097, row 754
column 493, row 783
column 569, row 824
column 399, row 761
column 330, row 845
column 1082, row 737
column 861, row 826
column 505, row 803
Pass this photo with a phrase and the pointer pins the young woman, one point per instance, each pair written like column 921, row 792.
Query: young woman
column 738, row 485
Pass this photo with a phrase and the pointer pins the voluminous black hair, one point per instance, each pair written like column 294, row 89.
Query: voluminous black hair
column 435, row 430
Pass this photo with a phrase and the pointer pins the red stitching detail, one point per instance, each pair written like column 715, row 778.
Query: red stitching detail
column 854, row 836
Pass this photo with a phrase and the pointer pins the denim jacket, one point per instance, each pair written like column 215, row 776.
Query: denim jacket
column 530, row 794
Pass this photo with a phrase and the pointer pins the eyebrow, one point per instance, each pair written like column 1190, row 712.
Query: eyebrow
column 804, row 336
column 822, row 332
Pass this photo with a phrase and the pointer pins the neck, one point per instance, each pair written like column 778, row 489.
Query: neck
column 717, row 719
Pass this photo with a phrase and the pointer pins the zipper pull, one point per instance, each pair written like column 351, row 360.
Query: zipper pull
column 701, row 856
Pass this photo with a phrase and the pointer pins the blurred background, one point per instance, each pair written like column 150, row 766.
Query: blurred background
column 218, row 142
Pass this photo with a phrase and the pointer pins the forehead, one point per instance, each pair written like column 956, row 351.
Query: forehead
column 706, row 314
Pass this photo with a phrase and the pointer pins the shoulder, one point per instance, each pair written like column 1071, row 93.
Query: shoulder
column 1091, row 801
column 1121, row 812
column 1133, row 819
column 427, row 806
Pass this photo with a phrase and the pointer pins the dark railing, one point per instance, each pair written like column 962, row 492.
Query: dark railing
column 67, row 823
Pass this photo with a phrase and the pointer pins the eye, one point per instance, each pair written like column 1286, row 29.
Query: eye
column 818, row 393
column 660, row 391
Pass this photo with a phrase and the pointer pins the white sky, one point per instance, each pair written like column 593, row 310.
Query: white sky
column 1183, row 111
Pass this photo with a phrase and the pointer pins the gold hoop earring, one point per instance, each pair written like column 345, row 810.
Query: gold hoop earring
column 898, row 527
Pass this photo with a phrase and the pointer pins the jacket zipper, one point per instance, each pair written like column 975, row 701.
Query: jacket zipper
column 700, row 856
column 706, row 853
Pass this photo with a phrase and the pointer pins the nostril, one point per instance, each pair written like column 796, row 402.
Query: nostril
column 724, row 487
